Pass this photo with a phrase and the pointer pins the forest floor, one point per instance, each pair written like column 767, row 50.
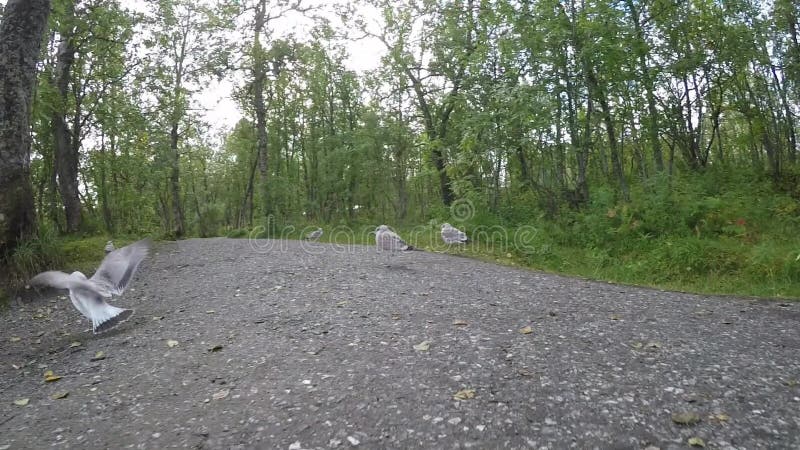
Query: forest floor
column 291, row 345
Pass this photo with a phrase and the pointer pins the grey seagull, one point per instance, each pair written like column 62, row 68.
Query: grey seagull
column 452, row 235
column 314, row 235
column 111, row 278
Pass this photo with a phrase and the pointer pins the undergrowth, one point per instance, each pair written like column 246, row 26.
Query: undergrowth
column 715, row 233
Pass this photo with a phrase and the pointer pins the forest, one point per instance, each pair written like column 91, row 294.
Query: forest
column 640, row 141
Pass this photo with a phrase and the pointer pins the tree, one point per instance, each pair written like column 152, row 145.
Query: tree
column 21, row 33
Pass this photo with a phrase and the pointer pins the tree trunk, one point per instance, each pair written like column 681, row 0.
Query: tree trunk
column 259, row 105
column 616, row 159
column 175, row 184
column 66, row 140
column 21, row 33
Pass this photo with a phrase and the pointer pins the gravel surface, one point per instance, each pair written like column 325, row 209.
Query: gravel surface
column 295, row 345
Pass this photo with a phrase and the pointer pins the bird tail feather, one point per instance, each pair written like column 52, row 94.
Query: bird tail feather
column 110, row 318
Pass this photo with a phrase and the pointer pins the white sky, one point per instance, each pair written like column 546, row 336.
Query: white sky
column 363, row 55
column 222, row 112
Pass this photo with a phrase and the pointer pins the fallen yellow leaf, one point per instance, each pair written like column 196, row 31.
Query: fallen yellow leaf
column 21, row 401
column 75, row 344
column 526, row 330
column 215, row 348
column 722, row 417
column 15, row 339
column 171, row 343
column 423, row 346
column 459, row 322
column 696, row 442
column 59, row 395
column 49, row 376
column 99, row 356
column 464, row 394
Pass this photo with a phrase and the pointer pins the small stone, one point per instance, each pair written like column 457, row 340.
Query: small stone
column 156, row 435
column 454, row 421
column 296, row 445
column 685, row 418
column 352, row 440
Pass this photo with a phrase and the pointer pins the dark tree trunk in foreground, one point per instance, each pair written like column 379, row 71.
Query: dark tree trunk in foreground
column 21, row 32
column 67, row 142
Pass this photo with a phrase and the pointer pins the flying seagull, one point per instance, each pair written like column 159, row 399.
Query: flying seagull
column 112, row 278
column 314, row 235
column 109, row 247
column 452, row 235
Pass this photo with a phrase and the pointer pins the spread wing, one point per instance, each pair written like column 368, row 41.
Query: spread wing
column 118, row 268
column 61, row 280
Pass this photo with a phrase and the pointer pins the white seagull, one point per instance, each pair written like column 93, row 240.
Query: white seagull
column 109, row 247
column 387, row 240
column 452, row 235
column 112, row 277
column 314, row 235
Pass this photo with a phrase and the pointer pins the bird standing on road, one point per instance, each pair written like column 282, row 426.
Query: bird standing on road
column 112, row 278
column 314, row 235
column 387, row 240
column 452, row 235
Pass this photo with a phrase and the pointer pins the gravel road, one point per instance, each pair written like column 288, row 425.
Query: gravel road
column 291, row 345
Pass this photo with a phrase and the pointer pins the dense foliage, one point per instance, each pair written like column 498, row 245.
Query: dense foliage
column 644, row 140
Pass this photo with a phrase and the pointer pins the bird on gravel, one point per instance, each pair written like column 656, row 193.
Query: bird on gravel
column 111, row 278
column 109, row 247
column 388, row 241
column 314, row 235
column 452, row 235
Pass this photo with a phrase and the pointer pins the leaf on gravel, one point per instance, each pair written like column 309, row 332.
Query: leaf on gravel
column 210, row 311
column 342, row 303
column 685, row 418
column 60, row 395
column 172, row 343
column 215, row 348
column 459, row 322
column 653, row 346
column 49, row 376
column 75, row 344
column 637, row 345
column 423, row 346
column 526, row 330
column 99, row 356
column 15, row 339
column 158, row 317
column 21, row 401
column 221, row 394
column 721, row 417
column 464, row 394
column 614, row 317
column 696, row 442
column 790, row 383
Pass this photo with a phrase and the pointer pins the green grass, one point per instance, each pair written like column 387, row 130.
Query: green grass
column 50, row 252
